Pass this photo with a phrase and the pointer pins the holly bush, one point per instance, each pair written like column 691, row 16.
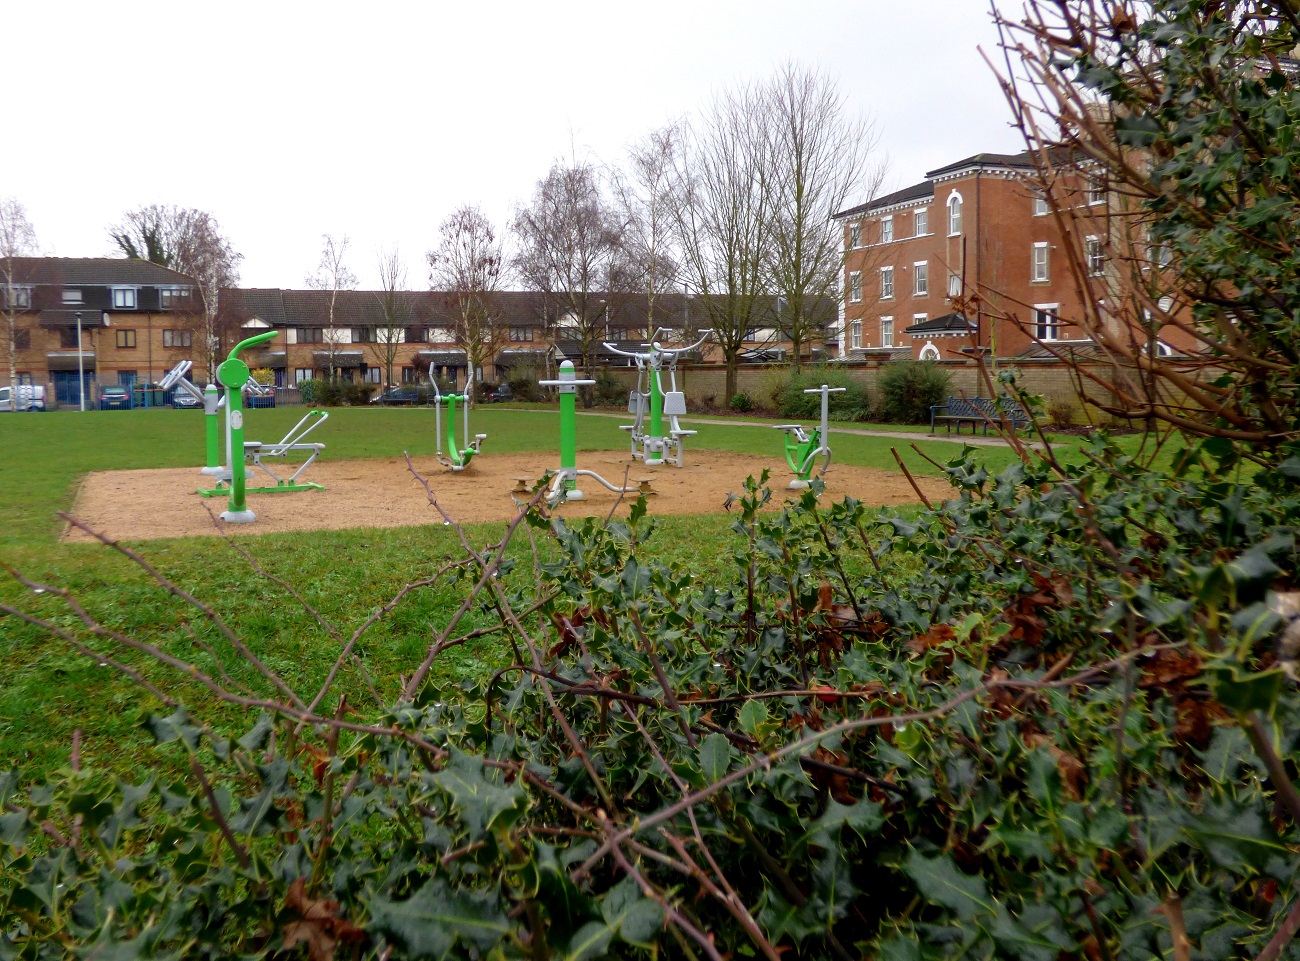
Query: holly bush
column 1047, row 717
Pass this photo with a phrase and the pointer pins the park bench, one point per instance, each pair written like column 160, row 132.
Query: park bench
column 978, row 412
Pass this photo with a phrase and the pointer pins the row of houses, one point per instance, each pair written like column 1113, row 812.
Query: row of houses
column 969, row 260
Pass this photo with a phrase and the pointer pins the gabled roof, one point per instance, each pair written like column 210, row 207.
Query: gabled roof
column 94, row 271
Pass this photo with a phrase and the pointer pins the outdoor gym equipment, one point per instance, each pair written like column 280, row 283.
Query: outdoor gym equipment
column 233, row 374
column 655, row 445
column 565, row 485
column 802, row 449
column 456, row 458
column 211, row 403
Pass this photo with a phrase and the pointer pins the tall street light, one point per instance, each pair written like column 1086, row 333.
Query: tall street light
column 81, row 366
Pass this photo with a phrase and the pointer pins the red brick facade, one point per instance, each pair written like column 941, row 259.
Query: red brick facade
column 975, row 232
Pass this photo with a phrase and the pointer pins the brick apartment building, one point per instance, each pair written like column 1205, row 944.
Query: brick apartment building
column 137, row 320
column 974, row 226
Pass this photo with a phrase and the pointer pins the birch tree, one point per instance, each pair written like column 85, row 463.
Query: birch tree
column 466, row 269
column 570, row 250
column 17, row 240
column 645, row 194
column 189, row 242
column 332, row 275
column 395, row 310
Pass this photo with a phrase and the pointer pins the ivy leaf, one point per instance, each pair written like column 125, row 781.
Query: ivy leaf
column 715, row 757
column 483, row 806
column 429, row 922
column 941, row 883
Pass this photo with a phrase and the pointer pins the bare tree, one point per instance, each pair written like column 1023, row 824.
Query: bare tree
column 570, row 251
column 189, row 242
column 815, row 156
column 467, row 268
column 395, row 306
column 17, row 239
column 646, row 195
column 332, row 275
column 722, row 218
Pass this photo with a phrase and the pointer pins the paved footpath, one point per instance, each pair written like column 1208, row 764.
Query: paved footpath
column 976, row 440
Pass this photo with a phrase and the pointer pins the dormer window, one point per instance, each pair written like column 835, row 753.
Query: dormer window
column 72, row 295
column 19, row 298
column 170, row 297
column 124, row 298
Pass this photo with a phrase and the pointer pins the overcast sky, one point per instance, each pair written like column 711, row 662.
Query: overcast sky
column 291, row 120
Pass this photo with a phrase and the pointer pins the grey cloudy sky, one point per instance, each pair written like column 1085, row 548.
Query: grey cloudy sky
column 290, row 120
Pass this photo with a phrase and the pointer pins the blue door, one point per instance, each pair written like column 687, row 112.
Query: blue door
column 65, row 388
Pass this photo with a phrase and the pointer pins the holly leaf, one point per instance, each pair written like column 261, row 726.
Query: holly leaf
column 941, row 883
column 428, row 923
column 482, row 805
column 715, row 757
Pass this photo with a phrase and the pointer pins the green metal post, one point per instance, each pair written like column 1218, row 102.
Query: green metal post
column 656, row 413
column 568, row 423
column 234, row 374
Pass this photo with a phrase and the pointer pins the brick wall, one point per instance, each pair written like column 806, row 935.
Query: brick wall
column 704, row 385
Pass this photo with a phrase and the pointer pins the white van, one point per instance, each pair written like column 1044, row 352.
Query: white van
column 30, row 397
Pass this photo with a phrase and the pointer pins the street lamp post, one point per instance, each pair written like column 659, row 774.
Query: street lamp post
column 81, row 366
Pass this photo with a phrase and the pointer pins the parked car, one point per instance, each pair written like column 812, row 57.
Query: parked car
column 114, row 398
column 499, row 393
column 184, row 400
column 398, row 396
column 30, row 397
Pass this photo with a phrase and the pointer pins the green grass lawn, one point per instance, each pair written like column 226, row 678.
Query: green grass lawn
column 48, row 690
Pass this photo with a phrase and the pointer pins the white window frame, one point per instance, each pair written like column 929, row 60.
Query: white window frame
column 1094, row 255
column 73, row 295
column 921, row 222
column 1047, row 331
column 887, row 229
column 921, row 278
column 125, row 298
column 1040, row 271
column 887, row 331
column 886, row 283
column 1096, row 193
column 954, row 214
column 929, row 352
column 855, row 236
column 954, row 284
column 1040, row 204
column 919, row 319
column 855, row 286
column 855, row 335
column 22, row 296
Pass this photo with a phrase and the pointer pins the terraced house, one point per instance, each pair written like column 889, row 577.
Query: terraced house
column 105, row 320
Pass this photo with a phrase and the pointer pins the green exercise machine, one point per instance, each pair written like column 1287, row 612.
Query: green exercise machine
column 803, row 448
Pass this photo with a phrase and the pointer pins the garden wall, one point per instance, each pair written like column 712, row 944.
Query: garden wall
column 705, row 384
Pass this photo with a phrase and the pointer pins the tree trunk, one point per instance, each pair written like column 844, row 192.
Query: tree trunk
column 732, row 366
